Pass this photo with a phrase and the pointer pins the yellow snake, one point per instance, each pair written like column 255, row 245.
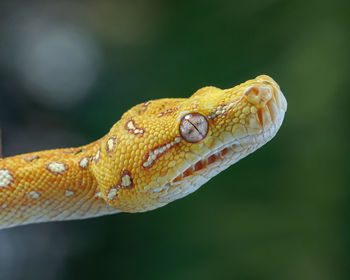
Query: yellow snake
column 159, row 151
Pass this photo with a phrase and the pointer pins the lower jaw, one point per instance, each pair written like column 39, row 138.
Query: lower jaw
column 240, row 147
column 213, row 163
column 203, row 164
column 205, row 169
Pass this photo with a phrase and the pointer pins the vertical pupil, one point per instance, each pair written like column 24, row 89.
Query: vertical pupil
column 194, row 127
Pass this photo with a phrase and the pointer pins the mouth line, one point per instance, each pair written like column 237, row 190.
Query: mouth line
column 204, row 163
column 224, row 153
column 219, row 155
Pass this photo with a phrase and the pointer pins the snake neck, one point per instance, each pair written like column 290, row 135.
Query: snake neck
column 50, row 185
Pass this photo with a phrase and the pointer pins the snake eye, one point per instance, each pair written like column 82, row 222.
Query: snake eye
column 194, row 127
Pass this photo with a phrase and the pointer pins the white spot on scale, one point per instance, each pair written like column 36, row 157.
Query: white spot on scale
column 33, row 194
column 98, row 194
column 4, row 205
column 126, row 181
column 110, row 144
column 56, row 167
column 97, row 156
column 84, row 162
column 68, row 193
column 5, row 178
column 112, row 193
column 130, row 125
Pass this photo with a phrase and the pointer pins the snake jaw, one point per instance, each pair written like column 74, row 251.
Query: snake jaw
column 261, row 126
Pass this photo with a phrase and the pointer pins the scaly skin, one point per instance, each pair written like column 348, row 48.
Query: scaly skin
column 144, row 162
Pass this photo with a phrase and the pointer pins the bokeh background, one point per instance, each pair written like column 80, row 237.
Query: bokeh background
column 69, row 69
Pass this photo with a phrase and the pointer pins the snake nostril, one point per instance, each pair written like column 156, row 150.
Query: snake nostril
column 258, row 95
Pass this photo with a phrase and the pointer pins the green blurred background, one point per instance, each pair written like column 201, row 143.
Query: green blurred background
column 69, row 69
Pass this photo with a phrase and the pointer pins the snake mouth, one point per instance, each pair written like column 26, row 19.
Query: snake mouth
column 214, row 162
column 210, row 162
column 203, row 164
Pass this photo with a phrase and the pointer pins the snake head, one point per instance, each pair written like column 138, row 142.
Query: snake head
column 168, row 148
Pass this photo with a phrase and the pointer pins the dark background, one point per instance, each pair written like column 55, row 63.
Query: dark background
column 69, row 69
